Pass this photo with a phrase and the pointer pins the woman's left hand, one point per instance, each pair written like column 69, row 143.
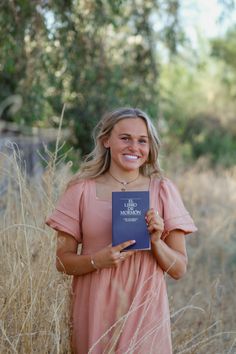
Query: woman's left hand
column 155, row 224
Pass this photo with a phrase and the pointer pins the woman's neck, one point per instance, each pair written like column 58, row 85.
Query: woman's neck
column 124, row 181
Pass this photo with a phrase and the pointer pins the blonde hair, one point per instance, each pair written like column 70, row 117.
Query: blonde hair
column 98, row 161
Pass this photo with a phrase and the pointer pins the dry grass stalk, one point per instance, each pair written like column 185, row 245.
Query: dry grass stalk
column 34, row 298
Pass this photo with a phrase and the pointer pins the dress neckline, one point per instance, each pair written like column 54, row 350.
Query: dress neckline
column 94, row 185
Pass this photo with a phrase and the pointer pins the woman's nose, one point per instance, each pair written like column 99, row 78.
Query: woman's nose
column 133, row 145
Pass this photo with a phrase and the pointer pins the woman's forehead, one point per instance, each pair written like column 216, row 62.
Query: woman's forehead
column 131, row 125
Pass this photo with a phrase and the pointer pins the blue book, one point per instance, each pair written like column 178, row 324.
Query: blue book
column 128, row 219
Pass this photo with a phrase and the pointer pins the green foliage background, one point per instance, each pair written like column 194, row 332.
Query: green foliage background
column 97, row 55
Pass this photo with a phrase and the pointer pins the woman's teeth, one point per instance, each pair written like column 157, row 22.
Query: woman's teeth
column 131, row 157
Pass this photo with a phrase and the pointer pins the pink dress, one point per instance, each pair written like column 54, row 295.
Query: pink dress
column 124, row 309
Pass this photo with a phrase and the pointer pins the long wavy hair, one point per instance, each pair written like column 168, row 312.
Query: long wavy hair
column 98, row 161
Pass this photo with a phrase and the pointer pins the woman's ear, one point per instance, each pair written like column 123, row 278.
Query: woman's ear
column 106, row 143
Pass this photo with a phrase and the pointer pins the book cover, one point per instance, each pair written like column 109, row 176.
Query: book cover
column 128, row 218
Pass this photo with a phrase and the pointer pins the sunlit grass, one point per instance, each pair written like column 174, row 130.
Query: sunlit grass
column 34, row 298
column 210, row 281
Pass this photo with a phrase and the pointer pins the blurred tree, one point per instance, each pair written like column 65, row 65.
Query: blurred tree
column 22, row 38
column 208, row 137
column 97, row 55
column 198, row 110
column 91, row 55
column 224, row 49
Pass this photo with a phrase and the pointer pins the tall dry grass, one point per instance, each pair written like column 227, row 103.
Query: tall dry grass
column 34, row 298
column 209, row 286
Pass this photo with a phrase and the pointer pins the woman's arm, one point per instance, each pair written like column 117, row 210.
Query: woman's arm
column 170, row 254
column 69, row 262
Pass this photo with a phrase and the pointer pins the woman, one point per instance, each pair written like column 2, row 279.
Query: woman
column 120, row 303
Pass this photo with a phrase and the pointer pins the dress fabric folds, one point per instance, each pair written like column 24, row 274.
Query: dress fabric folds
column 123, row 309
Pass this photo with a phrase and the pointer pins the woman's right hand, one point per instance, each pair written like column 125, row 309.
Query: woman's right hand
column 112, row 256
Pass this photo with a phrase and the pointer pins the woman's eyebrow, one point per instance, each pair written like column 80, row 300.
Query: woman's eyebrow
column 127, row 134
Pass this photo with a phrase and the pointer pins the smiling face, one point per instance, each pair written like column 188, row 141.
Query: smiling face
column 129, row 145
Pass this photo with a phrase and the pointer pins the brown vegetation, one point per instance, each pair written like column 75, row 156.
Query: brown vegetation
column 34, row 298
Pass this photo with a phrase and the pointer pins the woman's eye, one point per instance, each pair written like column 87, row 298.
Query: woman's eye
column 125, row 138
column 142, row 141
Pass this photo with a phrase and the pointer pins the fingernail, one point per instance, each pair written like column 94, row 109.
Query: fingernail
column 133, row 241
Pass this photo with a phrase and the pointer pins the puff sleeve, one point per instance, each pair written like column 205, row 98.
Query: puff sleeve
column 67, row 215
column 175, row 214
